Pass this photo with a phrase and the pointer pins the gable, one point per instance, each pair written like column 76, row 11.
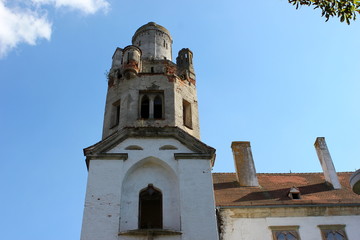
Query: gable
column 184, row 138
column 121, row 142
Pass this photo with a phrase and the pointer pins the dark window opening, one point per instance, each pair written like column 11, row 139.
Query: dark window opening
column 187, row 118
column 164, row 43
column 158, row 107
column 295, row 195
column 144, row 113
column 150, row 208
column 152, row 69
column 115, row 114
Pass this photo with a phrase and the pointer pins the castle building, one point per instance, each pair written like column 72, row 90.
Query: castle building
column 150, row 175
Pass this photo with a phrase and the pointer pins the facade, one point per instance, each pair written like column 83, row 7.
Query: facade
column 307, row 206
column 150, row 175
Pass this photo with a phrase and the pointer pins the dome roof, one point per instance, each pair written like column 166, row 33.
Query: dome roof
column 151, row 26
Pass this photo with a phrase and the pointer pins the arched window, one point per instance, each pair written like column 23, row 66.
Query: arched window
column 144, row 113
column 158, row 107
column 150, row 208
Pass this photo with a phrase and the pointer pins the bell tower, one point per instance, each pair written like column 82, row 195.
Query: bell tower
column 146, row 89
column 150, row 175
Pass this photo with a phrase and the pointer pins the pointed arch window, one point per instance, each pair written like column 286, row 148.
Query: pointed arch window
column 151, row 105
column 150, row 208
column 145, row 110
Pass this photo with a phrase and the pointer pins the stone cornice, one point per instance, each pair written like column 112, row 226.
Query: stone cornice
column 292, row 211
column 106, row 156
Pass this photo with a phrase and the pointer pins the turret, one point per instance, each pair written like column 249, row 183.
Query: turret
column 131, row 61
column 184, row 62
column 146, row 89
column 154, row 41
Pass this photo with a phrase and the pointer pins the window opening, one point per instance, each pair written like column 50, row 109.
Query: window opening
column 333, row 232
column 115, row 114
column 164, row 43
column 150, row 208
column 294, row 193
column 285, row 232
column 334, row 235
column 158, row 107
column 286, row 235
column 152, row 69
column 144, row 113
column 187, row 118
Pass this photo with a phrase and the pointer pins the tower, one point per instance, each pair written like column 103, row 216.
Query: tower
column 150, row 175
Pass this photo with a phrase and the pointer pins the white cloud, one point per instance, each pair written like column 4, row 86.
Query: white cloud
column 21, row 26
column 28, row 23
column 85, row 6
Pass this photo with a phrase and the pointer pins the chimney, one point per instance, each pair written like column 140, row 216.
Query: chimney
column 326, row 162
column 244, row 164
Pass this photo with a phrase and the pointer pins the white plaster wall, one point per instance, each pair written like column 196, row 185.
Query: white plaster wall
column 150, row 166
column 258, row 228
column 102, row 200
column 186, row 185
column 198, row 218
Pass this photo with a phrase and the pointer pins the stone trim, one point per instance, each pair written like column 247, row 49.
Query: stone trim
column 105, row 156
column 332, row 227
column 291, row 211
column 150, row 132
column 204, row 156
column 147, row 232
column 285, row 227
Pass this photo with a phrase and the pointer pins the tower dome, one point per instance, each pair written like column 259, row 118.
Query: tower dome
column 154, row 41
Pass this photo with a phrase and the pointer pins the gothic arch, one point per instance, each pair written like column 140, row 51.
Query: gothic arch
column 156, row 172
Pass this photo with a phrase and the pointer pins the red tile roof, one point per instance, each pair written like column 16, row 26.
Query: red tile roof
column 274, row 189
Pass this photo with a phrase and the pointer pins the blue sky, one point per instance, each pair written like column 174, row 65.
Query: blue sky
column 266, row 73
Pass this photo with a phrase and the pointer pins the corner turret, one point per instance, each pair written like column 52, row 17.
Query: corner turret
column 184, row 62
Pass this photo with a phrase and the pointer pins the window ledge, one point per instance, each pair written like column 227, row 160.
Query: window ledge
column 152, row 231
